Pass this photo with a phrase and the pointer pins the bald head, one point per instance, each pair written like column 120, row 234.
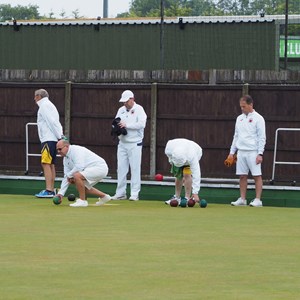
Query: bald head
column 62, row 147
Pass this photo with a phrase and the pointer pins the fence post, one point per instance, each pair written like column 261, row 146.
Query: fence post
column 212, row 76
column 68, row 98
column 153, row 126
column 246, row 89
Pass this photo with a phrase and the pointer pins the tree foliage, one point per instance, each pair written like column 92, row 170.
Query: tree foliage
column 8, row 12
column 152, row 8
column 76, row 14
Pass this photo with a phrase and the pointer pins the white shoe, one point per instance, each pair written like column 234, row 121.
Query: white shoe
column 103, row 200
column 134, row 198
column 80, row 203
column 116, row 197
column 256, row 203
column 173, row 198
column 239, row 202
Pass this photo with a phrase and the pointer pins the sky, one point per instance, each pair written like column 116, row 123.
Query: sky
column 86, row 8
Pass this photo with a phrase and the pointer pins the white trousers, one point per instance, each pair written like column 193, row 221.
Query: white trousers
column 93, row 175
column 246, row 161
column 129, row 155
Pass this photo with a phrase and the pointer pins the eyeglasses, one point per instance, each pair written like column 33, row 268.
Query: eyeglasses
column 59, row 149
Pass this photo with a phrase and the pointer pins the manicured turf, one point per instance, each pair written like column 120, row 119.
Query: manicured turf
column 147, row 250
column 270, row 197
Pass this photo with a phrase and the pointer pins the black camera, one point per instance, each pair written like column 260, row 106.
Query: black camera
column 116, row 130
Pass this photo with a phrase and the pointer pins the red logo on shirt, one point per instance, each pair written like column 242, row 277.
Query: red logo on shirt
column 250, row 121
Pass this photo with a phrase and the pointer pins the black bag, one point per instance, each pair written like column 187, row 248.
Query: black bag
column 116, row 130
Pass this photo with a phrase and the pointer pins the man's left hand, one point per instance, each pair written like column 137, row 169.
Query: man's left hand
column 259, row 159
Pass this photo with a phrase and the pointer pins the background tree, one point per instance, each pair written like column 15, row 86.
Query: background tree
column 151, row 8
column 51, row 14
column 8, row 12
column 75, row 14
column 62, row 14
column 203, row 8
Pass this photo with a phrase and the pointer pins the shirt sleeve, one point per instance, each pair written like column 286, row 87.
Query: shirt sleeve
column 261, row 135
column 168, row 151
column 196, row 173
column 118, row 115
column 233, row 147
column 139, row 122
column 52, row 119
column 64, row 186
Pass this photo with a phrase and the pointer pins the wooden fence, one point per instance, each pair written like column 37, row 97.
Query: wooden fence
column 203, row 113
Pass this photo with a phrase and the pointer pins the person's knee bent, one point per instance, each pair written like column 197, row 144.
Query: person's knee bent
column 78, row 176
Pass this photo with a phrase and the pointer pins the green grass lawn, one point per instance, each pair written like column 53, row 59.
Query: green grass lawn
column 147, row 250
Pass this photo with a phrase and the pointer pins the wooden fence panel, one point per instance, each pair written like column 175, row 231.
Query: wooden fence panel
column 203, row 113
column 93, row 109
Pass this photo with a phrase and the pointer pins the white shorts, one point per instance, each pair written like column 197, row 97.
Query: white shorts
column 246, row 161
column 93, row 175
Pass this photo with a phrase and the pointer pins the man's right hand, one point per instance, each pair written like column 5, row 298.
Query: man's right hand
column 230, row 160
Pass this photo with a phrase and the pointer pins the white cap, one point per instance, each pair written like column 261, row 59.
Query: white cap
column 126, row 95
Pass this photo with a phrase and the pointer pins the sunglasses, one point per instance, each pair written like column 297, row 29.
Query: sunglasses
column 59, row 149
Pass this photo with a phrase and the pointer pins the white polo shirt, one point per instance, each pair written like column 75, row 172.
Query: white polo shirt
column 135, row 120
column 249, row 134
column 49, row 127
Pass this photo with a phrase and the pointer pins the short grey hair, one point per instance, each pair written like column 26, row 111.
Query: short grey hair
column 41, row 92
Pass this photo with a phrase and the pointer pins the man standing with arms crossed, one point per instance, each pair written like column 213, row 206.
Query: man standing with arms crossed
column 249, row 142
column 50, row 131
column 133, row 118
